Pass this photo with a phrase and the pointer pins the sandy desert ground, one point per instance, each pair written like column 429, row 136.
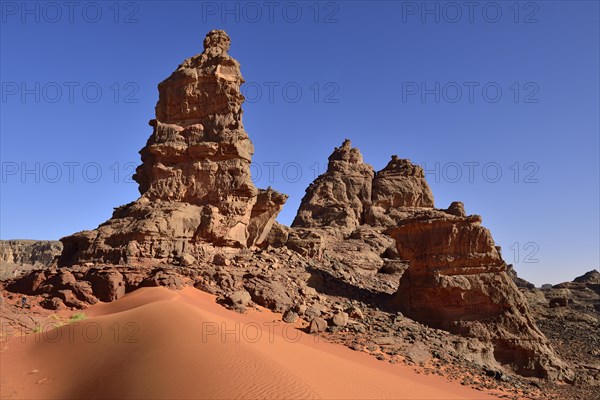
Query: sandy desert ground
column 156, row 343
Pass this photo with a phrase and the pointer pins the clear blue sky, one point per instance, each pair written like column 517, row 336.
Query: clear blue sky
column 494, row 87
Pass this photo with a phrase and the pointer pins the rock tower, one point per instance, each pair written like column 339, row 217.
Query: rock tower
column 194, row 179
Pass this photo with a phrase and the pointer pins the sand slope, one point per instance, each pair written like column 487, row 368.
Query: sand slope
column 159, row 344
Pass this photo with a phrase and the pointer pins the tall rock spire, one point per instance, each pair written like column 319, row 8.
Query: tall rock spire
column 194, row 180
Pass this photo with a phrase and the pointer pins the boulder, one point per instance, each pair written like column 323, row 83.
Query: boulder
column 187, row 259
column 68, row 299
column 355, row 312
column 393, row 266
column 317, row 325
column 314, row 311
column 164, row 277
column 107, row 284
column 290, row 317
column 340, row 319
column 457, row 208
column 306, row 242
column 269, row 293
column 278, row 236
column 239, row 297
column 54, row 303
column 221, row 259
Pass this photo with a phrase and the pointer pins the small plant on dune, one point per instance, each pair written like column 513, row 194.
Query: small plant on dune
column 77, row 317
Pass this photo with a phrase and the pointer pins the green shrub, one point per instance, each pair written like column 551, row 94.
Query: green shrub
column 77, row 317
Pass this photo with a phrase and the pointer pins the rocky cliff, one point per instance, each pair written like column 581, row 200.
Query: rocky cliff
column 17, row 256
column 31, row 252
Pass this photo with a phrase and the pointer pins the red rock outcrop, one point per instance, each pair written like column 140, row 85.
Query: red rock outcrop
column 29, row 252
column 401, row 184
column 17, row 257
column 79, row 286
column 458, row 281
column 399, row 190
column 194, row 179
column 339, row 197
column 349, row 194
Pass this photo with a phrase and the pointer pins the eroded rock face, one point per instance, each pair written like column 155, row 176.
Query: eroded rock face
column 453, row 276
column 458, row 281
column 29, row 252
column 446, row 244
column 401, row 184
column 339, row 197
column 453, row 264
column 80, row 286
column 194, row 180
column 17, row 257
column 262, row 218
column 350, row 194
column 399, row 190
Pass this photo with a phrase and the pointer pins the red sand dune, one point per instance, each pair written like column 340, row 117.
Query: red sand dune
column 159, row 344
